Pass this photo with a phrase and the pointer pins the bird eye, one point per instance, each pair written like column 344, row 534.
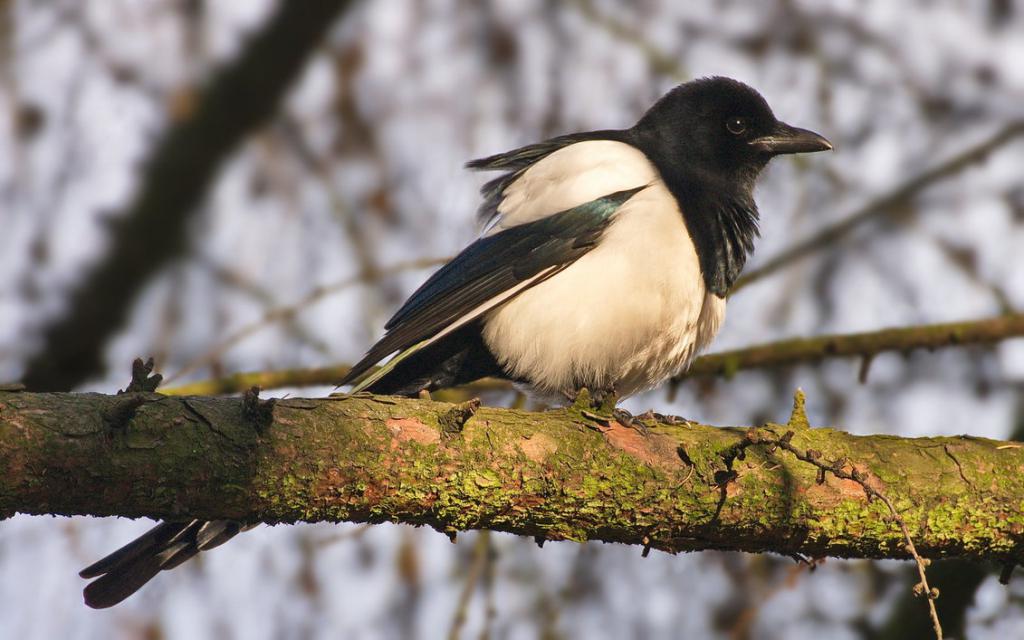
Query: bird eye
column 736, row 126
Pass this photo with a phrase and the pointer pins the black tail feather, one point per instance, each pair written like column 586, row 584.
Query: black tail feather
column 156, row 538
column 111, row 588
column 162, row 548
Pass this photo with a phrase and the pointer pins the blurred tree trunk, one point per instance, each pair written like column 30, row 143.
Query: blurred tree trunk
column 564, row 474
column 181, row 168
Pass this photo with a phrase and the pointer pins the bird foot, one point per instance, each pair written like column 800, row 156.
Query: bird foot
column 672, row 420
column 647, row 419
column 640, row 422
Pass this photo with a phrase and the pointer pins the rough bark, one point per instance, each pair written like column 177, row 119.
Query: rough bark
column 564, row 474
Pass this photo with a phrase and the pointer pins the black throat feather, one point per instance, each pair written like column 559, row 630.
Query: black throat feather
column 717, row 204
column 722, row 226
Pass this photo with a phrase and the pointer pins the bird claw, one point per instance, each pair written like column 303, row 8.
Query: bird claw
column 644, row 421
column 671, row 420
column 604, row 399
column 639, row 422
column 599, row 405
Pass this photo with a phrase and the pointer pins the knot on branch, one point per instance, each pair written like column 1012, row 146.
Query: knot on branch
column 141, row 381
column 798, row 416
column 453, row 420
column 258, row 412
column 128, row 400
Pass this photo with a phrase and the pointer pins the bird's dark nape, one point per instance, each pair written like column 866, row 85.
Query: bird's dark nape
column 458, row 358
column 163, row 547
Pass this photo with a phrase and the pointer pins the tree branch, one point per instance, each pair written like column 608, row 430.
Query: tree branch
column 152, row 232
column 564, row 474
column 726, row 363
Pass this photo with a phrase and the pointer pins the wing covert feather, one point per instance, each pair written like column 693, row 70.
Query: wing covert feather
column 489, row 272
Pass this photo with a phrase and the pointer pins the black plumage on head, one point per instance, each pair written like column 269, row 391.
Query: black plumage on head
column 698, row 136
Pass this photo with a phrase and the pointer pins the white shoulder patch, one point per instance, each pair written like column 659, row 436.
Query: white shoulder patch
column 571, row 176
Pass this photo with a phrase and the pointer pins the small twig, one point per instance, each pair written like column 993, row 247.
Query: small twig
column 865, row 368
column 259, row 412
column 128, row 400
column 453, row 420
column 481, row 551
column 838, row 468
column 141, row 380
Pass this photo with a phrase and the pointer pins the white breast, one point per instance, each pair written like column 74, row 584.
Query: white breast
column 629, row 314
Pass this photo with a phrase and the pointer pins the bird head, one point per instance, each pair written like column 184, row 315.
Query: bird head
column 721, row 128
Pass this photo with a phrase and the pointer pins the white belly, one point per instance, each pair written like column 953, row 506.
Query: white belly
column 629, row 314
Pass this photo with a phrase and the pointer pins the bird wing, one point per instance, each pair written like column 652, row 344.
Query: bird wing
column 486, row 274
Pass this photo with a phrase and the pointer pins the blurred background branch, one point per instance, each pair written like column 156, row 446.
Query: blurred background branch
column 289, row 312
column 783, row 353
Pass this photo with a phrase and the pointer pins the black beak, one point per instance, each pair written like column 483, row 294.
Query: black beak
column 787, row 139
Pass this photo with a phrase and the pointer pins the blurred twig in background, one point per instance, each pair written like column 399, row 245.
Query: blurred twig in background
column 883, row 205
column 773, row 354
column 289, row 312
column 660, row 61
column 865, row 345
column 474, row 574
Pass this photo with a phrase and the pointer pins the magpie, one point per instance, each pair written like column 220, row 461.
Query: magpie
column 607, row 255
column 605, row 263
